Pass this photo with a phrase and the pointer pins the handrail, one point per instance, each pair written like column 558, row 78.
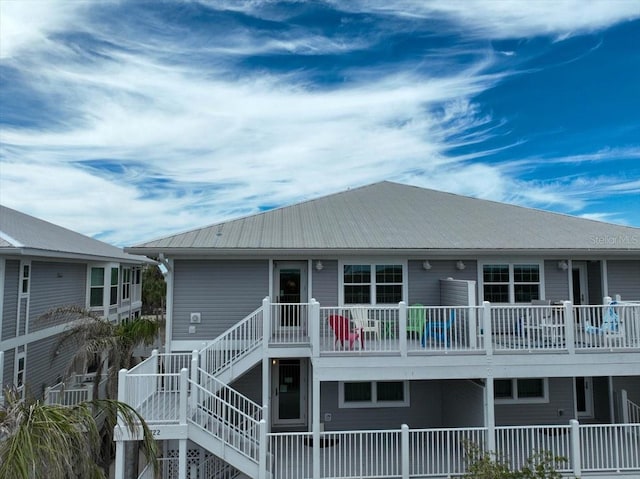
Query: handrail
column 224, row 421
column 230, row 395
column 633, row 411
column 232, row 345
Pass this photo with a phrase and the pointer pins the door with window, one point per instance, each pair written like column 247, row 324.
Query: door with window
column 289, row 392
column 290, row 285
column 584, row 397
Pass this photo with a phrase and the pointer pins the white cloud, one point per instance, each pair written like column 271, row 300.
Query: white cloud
column 500, row 19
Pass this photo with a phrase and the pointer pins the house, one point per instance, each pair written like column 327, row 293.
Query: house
column 372, row 332
column 43, row 267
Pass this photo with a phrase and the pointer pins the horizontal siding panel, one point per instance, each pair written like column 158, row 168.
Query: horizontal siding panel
column 624, row 279
column 556, row 282
column 223, row 292
column 325, row 283
column 43, row 369
column 424, row 285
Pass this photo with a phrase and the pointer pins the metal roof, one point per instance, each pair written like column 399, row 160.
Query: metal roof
column 389, row 216
column 21, row 234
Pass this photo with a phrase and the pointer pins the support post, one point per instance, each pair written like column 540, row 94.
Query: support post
column 490, row 416
column 194, row 378
column 266, row 390
column 120, row 449
column 624, row 407
column 315, row 407
column 266, row 321
column 262, row 452
column 314, row 327
column 182, row 459
column 569, row 327
column 184, row 396
column 576, row 463
column 402, row 328
column 404, row 451
column 486, row 327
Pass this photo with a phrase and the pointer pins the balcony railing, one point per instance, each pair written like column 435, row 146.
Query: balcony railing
column 77, row 389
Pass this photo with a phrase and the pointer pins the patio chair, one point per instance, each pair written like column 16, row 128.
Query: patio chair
column 440, row 330
column 362, row 321
column 416, row 319
column 611, row 328
column 342, row 331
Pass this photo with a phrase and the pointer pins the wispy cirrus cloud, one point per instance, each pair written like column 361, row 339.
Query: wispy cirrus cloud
column 161, row 125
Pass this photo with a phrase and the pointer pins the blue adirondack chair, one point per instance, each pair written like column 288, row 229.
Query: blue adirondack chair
column 440, row 330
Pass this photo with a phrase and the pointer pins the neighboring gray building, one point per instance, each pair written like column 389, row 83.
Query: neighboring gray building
column 458, row 313
column 42, row 267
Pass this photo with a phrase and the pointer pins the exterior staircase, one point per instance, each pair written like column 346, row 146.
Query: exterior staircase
column 218, row 418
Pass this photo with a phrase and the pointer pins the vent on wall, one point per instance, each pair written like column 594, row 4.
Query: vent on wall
column 194, row 318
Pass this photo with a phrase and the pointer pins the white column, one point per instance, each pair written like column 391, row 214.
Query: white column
column 120, row 449
column 314, row 327
column 184, row 395
column 262, row 453
column 182, row 459
column 486, row 327
column 569, row 327
column 624, row 407
column 576, row 463
column 194, row 377
column 402, row 328
column 490, row 416
column 266, row 321
column 266, row 390
column 315, row 406
column 404, row 451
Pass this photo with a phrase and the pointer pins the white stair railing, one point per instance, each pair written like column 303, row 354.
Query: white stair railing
column 234, row 344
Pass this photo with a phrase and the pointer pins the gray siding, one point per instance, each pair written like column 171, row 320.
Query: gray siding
column 325, row 283
column 9, row 359
column 556, row 282
column 250, row 384
column 54, row 285
column 630, row 383
column 464, row 404
column 10, row 307
column 224, row 292
column 424, row 285
column 560, row 397
column 624, row 279
column 42, row 368
column 429, row 407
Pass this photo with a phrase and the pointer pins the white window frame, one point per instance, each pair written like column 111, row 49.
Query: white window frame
column 125, row 274
column 372, row 263
column 374, row 403
column 20, row 355
column 515, row 399
column 25, row 278
column 90, row 286
column 511, row 263
column 113, row 286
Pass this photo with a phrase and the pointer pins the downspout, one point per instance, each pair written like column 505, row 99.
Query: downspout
column 167, row 273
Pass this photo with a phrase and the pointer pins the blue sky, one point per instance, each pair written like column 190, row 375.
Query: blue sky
column 129, row 121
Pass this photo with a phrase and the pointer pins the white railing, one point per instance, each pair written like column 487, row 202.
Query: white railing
column 572, row 450
column 446, row 328
column 233, row 344
column 221, row 419
column 529, row 327
column 611, row 447
column 614, row 325
column 79, row 388
column 289, row 323
column 633, row 411
column 517, row 444
column 442, row 452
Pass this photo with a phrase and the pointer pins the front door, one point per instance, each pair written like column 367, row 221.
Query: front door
column 290, row 284
column 579, row 287
column 289, row 392
column 584, row 396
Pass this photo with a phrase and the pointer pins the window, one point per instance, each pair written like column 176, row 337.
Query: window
column 521, row 390
column 25, row 276
column 511, row 283
column 126, row 283
column 373, row 283
column 113, row 296
column 96, row 295
column 363, row 394
column 21, row 358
